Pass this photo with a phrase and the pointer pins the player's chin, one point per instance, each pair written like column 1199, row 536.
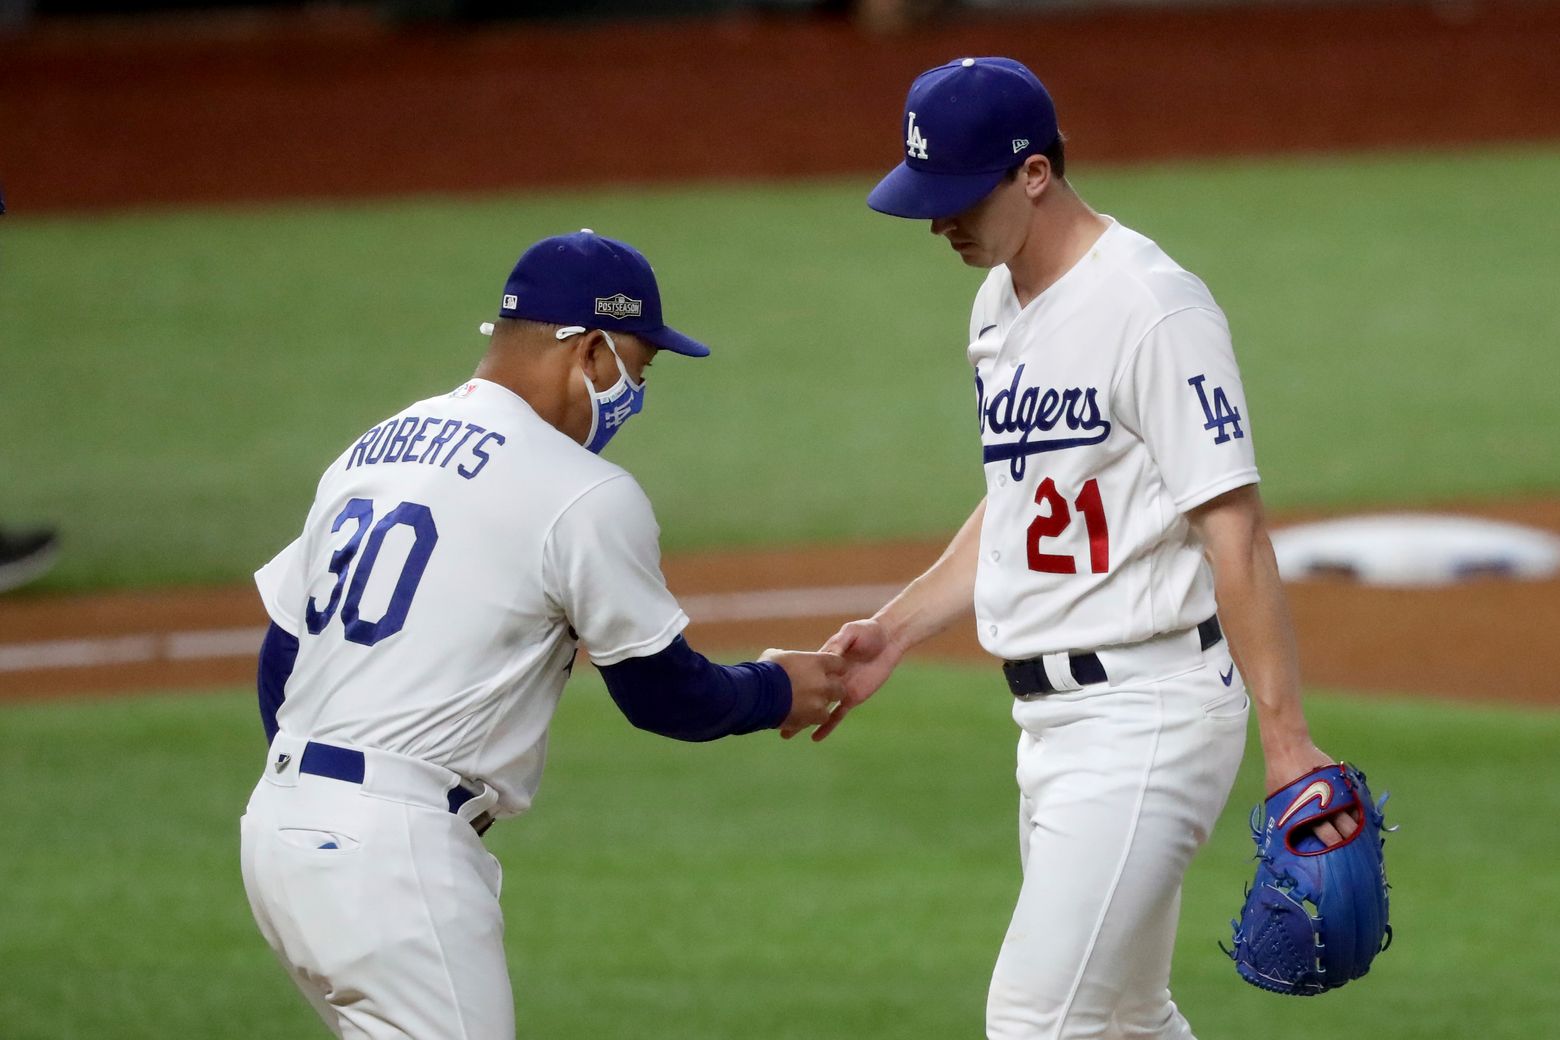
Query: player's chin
column 973, row 255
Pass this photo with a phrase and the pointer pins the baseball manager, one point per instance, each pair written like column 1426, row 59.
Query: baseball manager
column 422, row 628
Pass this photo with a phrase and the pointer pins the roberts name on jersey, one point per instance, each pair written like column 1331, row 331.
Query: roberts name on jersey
column 431, row 440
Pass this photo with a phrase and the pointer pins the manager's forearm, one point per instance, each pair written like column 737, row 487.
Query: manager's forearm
column 680, row 693
column 942, row 595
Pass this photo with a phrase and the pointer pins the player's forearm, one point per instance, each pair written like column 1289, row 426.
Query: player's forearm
column 1255, row 616
column 942, row 595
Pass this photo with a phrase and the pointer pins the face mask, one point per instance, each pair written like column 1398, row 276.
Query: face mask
column 611, row 408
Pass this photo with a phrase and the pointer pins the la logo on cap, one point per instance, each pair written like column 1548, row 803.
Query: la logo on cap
column 914, row 142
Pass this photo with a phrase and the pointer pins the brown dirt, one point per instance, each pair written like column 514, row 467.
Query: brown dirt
column 1485, row 640
column 252, row 107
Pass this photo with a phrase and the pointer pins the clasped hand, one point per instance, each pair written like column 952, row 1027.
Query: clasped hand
column 854, row 662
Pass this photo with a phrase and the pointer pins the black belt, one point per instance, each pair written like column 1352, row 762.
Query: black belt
column 1027, row 678
column 339, row 763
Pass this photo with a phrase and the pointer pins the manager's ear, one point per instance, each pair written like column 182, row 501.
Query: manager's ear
column 593, row 355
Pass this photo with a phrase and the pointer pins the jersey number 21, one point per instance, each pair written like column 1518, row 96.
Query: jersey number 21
column 1057, row 518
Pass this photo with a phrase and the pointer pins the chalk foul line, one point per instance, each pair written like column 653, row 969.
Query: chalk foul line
column 225, row 643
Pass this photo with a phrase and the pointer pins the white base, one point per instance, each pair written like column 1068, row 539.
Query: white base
column 1407, row 549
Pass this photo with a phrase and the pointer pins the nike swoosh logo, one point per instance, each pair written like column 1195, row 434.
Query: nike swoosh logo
column 1229, row 676
column 1320, row 791
column 985, row 330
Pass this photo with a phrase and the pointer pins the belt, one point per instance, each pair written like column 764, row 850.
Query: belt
column 339, row 763
column 1028, row 678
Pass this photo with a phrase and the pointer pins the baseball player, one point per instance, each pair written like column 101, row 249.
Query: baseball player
column 423, row 626
column 1120, row 505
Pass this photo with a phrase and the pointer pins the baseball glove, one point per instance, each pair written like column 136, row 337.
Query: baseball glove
column 1315, row 917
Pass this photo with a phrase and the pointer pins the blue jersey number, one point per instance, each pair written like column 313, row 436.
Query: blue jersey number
column 360, row 511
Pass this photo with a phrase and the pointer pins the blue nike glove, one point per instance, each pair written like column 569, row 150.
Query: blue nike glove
column 1315, row 917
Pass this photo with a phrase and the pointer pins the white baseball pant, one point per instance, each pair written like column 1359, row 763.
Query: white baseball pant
column 381, row 904
column 1120, row 784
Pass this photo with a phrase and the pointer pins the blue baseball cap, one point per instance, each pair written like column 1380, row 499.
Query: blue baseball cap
column 594, row 281
column 966, row 124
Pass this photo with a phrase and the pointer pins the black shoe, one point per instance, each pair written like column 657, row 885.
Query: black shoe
column 25, row 556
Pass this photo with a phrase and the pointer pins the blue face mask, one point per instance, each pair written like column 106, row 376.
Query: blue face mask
column 611, row 408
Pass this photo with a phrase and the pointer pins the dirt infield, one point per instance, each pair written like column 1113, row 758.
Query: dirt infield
column 333, row 105
column 1485, row 640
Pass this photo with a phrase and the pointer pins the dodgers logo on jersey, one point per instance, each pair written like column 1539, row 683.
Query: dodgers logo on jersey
column 915, row 144
column 1219, row 413
column 1028, row 410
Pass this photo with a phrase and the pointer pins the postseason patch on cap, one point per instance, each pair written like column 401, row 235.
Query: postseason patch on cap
column 619, row 307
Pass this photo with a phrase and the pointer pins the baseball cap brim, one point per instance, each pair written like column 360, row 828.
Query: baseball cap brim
column 668, row 338
column 922, row 195
column 663, row 338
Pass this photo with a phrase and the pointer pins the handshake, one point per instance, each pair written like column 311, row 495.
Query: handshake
column 844, row 672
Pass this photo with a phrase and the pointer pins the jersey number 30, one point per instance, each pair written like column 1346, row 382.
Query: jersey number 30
column 360, row 511
column 1056, row 519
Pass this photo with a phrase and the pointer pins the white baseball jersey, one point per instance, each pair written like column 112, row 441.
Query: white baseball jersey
column 453, row 557
column 1109, row 407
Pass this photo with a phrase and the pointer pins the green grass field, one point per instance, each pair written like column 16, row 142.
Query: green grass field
column 753, row 888
column 172, row 383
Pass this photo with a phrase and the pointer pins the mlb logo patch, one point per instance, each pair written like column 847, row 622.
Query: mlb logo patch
column 619, row 307
column 511, row 301
column 465, row 391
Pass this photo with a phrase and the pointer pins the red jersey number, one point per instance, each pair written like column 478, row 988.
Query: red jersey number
column 1057, row 517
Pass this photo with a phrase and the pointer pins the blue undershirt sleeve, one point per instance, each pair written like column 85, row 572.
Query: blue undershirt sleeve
column 679, row 693
column 278, row 654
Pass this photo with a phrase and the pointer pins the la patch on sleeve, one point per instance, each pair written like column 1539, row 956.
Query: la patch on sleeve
column 1219, row 413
